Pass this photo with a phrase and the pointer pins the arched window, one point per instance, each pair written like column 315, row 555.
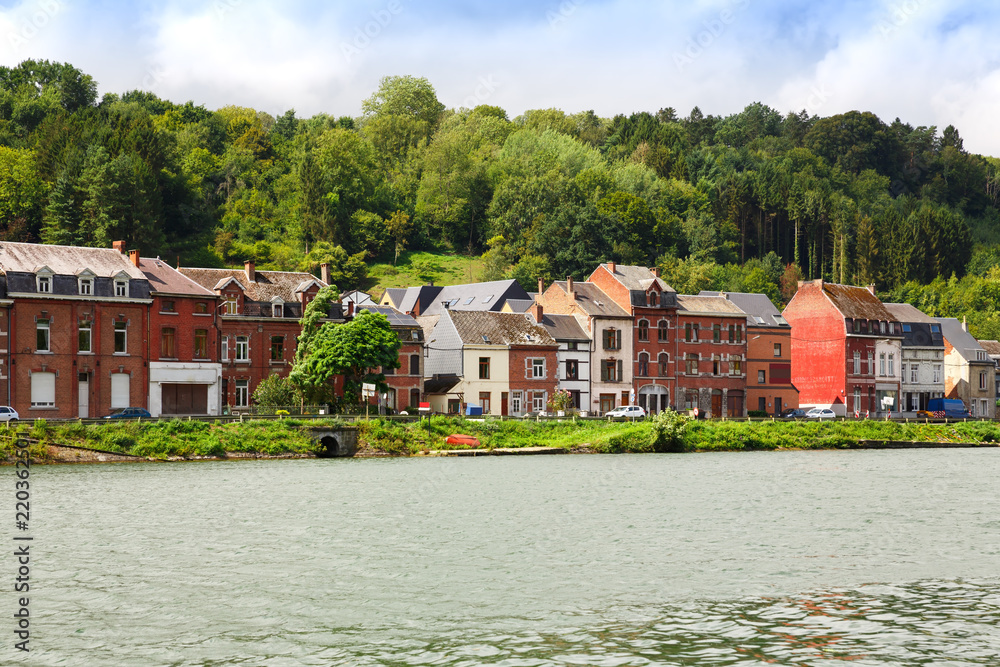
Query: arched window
column 664, row 363
column 643, row 364
column 654, row 298
column 661, row 331
column 643, row 330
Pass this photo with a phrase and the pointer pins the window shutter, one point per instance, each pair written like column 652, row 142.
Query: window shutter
column 527, row 369
column 618, row 339
column 620, row 376
column 120, row 390
column 604, row 371
column 43, row 389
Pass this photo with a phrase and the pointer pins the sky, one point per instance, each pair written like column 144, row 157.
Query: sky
column 927, row 62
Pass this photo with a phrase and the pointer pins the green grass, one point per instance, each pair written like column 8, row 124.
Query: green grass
column 420, row 268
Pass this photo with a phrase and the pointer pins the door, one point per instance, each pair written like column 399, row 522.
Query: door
column 777, row 405
column 84, row 387
column 607, row 402
column 503, row 403
column 762, row 404
column 716, row 403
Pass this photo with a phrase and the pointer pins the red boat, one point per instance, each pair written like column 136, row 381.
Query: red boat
column 459, row 439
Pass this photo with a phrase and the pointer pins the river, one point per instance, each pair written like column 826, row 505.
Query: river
column 791, row 558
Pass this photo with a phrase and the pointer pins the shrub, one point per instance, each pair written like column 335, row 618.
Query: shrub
column 668, row 431
column 757, row 413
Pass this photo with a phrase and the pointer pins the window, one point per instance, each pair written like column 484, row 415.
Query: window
column 201, row 308
column 735, row 365
column 716, row 333
column 982, row 380
column 454, row 406
column 86, row 286
column 572, row 345
column 643, row 364
column 277, row 310
column 716, row 365
column 167, row 343
column 242, row 348
column 984, row 408
column 538, row 401
column 45, row 284
column 538, row 368
column 572, row 369
column 484, row 402
column 388, row 370
column 42, row 335
column 414, row 364
column 881, row 363
column 857, row 399
column 83, row 340
column 857, row 363
column 484, row 368
column 612, row 339
column 892, row 364
column 43, row 390
column 913, row 373
column 277, row 348
column 242, row 392
column 232, row 305
column 225, row 348
column 611, row 370
column 169, row 307
column 200, row 343
column 515, row 402
column 120, row 385
column 691, row 332
column 914, row 402
column 739, row 333
column 687, row 332
column 664, row 362
column 654, row 298
column 121, row 337
column 691, row 364
column 761, row 377
column 937, row 373
column 470, row 300
column 902, row 373
column 121, row 288
column 871, row 363
column 881, row 326
column 643, row 330
column 777, row 349
column 732, row 333
column 661, row 331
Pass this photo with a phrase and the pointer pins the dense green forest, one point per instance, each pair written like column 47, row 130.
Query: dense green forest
column 751, row 201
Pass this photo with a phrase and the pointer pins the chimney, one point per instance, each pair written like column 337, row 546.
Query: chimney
column 134, row 256
column 248, row 267
column 965, row 325
column 178, row 261
column 324, row 272
column 569, row 288
column 350, row 305
column 541, row 286
column 655, row 271
column 119, row 246
column 611, row 267
column 871, row 288
column 536, row 311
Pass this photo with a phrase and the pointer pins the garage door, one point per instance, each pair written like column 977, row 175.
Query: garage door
column 184, row 399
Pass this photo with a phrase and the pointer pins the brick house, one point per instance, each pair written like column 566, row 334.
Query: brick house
column 259, row 323
column 185, row 376
column 609, row 327
column 573, row 357
column 969, row 372
column 711, row 350
column 922, row 358
column 837, row 330
column 769, row 385
column 503, row 362
column 406, row 383
column 652, row 303
column 75, row 325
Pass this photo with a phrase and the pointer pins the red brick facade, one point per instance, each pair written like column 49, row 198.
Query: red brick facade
column 536, row 386
column 711, row 358
column 769, row 370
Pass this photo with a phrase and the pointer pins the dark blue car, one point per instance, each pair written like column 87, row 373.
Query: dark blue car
column 128, row 413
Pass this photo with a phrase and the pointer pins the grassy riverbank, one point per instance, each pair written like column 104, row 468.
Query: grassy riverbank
column 168, row 439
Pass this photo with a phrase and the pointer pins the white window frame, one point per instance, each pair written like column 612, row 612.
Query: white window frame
column 857, row 363
column 124, row 331
column 881, row 364
column 892, row 364
column 45, row 395
column 937, row 373
column 89, row 328
column 515, row 402
column 121, row 288
column 232, row 305
column 43, row 283
column 538, row 369
column 914, row 373
column 242, row 393
column 85, row 285
column 43, row 325
column 225, row 348
column 243, row 345
column 538, row 401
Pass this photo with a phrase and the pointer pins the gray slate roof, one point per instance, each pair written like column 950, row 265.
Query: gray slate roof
column 396, row 318
column 563, row 327
column 759, row 309
column 904, row 312
column 707, row 304
column 519, row 305
column 65, row 260
column 395, row 295
column 488, row 296
column 491, row 328
column 266, row 285
column 961, row 340
column 593, row 301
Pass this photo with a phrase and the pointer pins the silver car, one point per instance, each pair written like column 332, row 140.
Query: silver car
column 8, row 414
column 627, row 412
column 821, row 413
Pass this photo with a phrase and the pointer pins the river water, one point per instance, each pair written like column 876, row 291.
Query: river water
column 795, row 558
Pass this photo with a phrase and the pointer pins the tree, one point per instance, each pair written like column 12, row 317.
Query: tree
column 405, row 96
column 348, row 271
column 275, row 391
column 399, row 226
column 356, row 350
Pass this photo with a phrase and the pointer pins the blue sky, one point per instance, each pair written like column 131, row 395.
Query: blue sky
column 928, row 62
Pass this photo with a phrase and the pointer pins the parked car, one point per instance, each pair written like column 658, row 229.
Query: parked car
column 793, row 413
column 821, row 413
column 8, row 414
column 627, row 412
column 128, row 413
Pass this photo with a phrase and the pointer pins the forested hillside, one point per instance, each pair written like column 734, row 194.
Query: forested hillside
column 748, row 202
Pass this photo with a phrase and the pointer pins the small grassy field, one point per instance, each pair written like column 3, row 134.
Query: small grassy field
column 379, row 437
column 420, row 268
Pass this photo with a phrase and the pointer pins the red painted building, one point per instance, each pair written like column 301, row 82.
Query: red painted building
column 76, row 330
column 259, row 323
column 836, row 332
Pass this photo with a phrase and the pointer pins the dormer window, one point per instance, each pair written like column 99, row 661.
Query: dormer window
column 232, row 306
column 45, row 284
column 654, row 298
column 121, row 285
column 86, row 286
column 278, row 309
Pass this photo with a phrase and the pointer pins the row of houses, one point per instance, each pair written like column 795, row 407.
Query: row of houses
column 87, row 330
